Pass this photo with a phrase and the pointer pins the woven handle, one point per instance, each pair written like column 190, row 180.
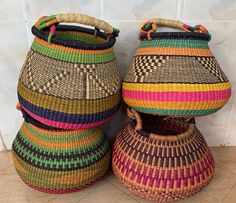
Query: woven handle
column 132, row 114
column 153, row 24
column 76, row 18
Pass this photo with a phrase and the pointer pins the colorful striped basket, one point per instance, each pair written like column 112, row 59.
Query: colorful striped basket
column 175, row 73
column 162, row 160
column 70, row 77
column 59, row 161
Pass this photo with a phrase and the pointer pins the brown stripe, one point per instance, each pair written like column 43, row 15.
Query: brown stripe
column 68, row 105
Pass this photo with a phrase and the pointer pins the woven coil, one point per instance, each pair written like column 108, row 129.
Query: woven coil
column 59, row 161
column 71, row 81
column 175, row 73
column 162, row 159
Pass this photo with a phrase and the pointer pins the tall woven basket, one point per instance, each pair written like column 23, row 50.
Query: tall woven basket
column 161, row 160
column 59, row 161
column 175, row 73
column 70, row 77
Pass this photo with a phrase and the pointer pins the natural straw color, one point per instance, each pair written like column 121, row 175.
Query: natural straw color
column 84, row 19
column 166, row 160
column 70, row 77
column 175, row 73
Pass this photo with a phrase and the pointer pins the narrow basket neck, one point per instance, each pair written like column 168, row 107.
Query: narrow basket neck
column 157, row 128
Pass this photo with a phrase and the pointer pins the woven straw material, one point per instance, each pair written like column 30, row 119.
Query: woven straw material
column 70, row 87
column 175, row 74
column 173, row 164
column 60, row 161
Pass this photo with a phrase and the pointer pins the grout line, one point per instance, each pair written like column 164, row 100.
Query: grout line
column 178, row 8
column 228, row 193
column 101, row 8
column 3, row 143
column 121, row 189
column 26, row 23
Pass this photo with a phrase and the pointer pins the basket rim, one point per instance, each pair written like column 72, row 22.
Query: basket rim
column 158, row 137
column 75, row 43
column 175, row 35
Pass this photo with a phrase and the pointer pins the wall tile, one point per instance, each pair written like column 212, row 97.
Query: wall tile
column 218, row 129
column 13, row 49
column 11, row 10
column 139, row 9
column 223, row 46
column 126, row 45
column 36, row 9
column 208, row 10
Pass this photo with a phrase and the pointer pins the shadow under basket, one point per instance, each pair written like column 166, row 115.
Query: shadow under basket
column 59, row 161
column 162, row 159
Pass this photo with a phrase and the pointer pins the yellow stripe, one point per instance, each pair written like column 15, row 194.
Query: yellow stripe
column 175, row 87
column 177, row 105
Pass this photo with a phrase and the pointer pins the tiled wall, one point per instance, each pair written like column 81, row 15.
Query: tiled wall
column 17, row 16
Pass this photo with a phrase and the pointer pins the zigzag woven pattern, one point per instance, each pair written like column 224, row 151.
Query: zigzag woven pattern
column 60, row 161
column 175, row 76
column 70, row 87
column 164, row 169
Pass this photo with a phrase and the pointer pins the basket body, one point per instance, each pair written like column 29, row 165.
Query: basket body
column 70, row 83
column 176, row 74
column 162, row 170
column 60, row 161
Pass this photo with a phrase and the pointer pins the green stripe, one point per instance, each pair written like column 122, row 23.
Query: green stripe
column 42, row 178
column 175, row 112
column 42, row 160
column 72, row 57
column 195, row 44
column 74, row 136
column 89, row 146
column 80, row 37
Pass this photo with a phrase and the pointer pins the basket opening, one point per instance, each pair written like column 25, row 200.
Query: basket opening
column 77, row 37
column 161, row 126
column 80, row 37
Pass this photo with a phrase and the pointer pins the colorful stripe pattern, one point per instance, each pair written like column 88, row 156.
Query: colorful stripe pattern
column 70, row 87
column 60, row 161
column 177, row 99
column 175, row 77
column 67, row 114
column 162, row 169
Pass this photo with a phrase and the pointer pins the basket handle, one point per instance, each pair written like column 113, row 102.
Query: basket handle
column 132, row 114
column 153, row 24
column 48, row 21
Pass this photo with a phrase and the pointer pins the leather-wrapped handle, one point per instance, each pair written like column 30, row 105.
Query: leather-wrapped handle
column 153, row 24
column 76, row 18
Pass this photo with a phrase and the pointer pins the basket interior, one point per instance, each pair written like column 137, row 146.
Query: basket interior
column 163, row 126
column 80, row 37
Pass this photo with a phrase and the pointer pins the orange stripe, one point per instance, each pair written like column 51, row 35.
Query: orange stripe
column 55, row 46
column 173, row 51
column 176, row 105
column 53, row 144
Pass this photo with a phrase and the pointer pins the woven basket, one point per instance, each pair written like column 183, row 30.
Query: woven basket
column 59, row 161
column 175, row 73
column 70, row 76
column 162, row 160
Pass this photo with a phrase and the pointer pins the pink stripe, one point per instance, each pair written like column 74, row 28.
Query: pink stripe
column 58, row 124
column 178, row 96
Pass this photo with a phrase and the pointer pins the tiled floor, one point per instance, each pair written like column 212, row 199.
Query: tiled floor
column 109, row 190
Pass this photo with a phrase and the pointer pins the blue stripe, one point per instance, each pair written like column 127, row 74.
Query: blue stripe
column 68, row 118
